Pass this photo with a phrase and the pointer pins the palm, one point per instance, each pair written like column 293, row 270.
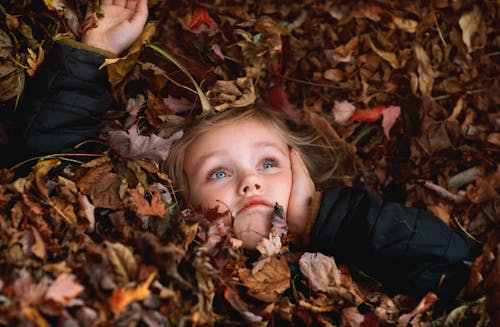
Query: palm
column 120, row 26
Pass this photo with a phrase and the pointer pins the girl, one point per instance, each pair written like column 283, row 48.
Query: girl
column 246, row 160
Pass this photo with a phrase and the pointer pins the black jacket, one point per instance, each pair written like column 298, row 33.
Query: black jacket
column 409, row 250
column 62, row 104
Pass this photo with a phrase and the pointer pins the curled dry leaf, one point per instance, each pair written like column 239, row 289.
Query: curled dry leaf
column 320, row 270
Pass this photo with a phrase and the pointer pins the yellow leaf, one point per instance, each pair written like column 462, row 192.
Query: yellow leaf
column 34, row 60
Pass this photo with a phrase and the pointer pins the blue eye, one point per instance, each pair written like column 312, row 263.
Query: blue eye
column 217, row 174
column 268, row 164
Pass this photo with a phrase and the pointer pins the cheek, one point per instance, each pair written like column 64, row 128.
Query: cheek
column 208, row 198
column 284, row 187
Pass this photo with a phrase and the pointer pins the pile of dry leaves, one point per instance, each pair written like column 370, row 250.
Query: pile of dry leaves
column 410, row 87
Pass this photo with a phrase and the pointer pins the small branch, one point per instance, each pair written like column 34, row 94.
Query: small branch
column 439, row 31
column 446, row 96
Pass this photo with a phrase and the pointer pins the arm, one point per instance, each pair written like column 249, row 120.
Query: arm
column 63, row 104
column 407, row 249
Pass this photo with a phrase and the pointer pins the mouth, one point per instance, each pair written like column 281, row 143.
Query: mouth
column 253, row 202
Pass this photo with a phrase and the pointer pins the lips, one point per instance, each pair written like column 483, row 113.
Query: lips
column 253, row 201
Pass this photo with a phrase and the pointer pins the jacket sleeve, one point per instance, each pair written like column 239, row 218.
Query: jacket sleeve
column 64, row 102
column 409, row 250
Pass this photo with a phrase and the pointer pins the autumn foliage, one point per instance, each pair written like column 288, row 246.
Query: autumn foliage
column 410, row 87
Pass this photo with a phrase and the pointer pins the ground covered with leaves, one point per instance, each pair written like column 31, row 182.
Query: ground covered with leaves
column 410, row 87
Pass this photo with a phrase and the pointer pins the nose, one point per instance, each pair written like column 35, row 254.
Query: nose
column 250, row 183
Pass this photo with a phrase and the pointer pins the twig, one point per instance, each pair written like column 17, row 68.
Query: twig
column 439, row 31
column 446, row 96
column 465, row 231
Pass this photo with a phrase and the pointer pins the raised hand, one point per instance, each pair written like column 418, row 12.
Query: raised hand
column 121, row 25
column 300, row 196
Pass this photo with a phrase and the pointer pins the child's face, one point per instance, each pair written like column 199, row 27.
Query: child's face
column 244, row 167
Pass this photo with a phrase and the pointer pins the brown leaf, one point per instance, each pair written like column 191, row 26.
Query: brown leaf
column 425, row 72
column 269, row 282
column 6, row 46
column 102, row 187
column 390, row 57
column 38, row 248
column 41, row 170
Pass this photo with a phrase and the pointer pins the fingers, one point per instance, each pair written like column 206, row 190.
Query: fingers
column 120, row 3
column 299, row 168
column 141, row 13
column 105, row 2
column 131, row 4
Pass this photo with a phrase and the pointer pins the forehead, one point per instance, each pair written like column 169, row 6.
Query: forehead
column 241, row 131
column 236, row 135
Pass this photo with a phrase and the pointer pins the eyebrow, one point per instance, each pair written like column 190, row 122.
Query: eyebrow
column 204, row 158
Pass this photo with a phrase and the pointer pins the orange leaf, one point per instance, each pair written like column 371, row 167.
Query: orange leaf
column 368, row 115
column 122, row 297
column 142, row 206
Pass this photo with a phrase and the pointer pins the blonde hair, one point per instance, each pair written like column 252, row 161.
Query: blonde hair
column 325, row 159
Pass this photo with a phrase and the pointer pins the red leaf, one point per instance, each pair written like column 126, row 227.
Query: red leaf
column 201, row 16
column 368, row 115
column 278, row 99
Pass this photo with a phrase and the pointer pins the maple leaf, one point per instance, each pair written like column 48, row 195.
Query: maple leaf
column 143, row 208
column 132, row 145
column 63, row 289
